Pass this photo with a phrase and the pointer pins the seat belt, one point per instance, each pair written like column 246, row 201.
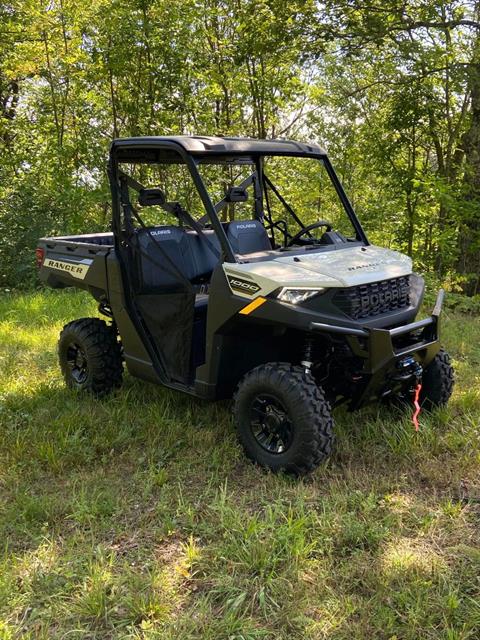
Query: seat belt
column 130, row 213
column 176, row 209
column 186, row 218
column 221, row 204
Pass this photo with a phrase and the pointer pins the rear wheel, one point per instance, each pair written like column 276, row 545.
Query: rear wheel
column 282, row 418
column 90, row 356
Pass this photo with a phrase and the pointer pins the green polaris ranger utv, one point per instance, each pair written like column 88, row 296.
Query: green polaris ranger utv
column 237, row 268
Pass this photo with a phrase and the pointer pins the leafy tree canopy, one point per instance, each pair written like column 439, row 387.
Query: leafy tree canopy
column 391, row 88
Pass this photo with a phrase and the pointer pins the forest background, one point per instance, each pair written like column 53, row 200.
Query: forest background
column 390, row 88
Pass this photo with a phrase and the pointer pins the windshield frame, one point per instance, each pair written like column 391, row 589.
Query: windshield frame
column 258, row 180
column 193, row 161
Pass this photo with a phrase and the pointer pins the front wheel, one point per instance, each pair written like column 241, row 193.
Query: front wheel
column 437, row 381
column 282, row 418
column 90, row 356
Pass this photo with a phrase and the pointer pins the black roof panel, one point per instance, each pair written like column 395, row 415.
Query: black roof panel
column 205, row 145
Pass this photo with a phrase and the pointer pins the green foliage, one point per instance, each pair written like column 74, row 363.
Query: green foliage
column 389, row 90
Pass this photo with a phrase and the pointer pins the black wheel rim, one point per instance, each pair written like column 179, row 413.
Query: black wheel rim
column 270, row 425
column 77, row 363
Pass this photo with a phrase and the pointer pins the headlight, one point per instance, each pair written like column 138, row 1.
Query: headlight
column 296, row 296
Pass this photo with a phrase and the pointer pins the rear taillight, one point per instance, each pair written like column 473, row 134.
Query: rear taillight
column 39, row 256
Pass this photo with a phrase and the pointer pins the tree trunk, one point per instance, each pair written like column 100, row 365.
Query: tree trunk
column 468, row 264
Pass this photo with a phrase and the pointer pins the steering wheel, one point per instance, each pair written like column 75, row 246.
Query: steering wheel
column 308, row 228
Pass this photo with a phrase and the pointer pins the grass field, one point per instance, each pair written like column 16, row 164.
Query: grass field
column 137, row 516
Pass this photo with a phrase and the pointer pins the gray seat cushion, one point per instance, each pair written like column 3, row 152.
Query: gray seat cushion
column 248, row 236
column 159, row 247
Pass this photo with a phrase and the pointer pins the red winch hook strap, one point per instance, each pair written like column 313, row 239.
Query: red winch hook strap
column 416, row 404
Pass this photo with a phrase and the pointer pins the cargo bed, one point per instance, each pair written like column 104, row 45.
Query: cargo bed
column 78, row 261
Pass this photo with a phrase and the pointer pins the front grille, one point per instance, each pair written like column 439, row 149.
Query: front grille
column 367, row 300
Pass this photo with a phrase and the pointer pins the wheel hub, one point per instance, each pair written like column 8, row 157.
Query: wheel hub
column 272, row 421
column 270, row 424
column 77, row 362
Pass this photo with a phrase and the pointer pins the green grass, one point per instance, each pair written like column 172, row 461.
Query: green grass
column 137, row 516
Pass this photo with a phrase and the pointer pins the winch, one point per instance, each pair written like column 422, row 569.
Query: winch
column 407, row 368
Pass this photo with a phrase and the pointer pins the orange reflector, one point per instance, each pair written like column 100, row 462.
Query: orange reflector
column 252, row 306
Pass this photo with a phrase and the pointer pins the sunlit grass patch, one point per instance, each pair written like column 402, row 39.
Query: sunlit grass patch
column 404, row 555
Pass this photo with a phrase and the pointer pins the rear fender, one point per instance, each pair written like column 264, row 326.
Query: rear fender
column 75, row 264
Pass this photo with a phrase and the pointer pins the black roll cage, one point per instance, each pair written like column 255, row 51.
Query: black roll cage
column 258, row 178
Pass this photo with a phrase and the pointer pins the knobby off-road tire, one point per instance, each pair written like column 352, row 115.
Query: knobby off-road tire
column 284, row 400
column 90, row 356
column 437, row 382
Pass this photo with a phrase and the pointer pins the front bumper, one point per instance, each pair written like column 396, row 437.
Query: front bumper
column 383, row 349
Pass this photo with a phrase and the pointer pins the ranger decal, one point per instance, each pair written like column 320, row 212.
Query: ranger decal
column 364, row 266
column 76, row 269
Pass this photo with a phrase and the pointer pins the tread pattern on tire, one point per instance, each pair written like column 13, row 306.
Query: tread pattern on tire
column 103, row 351
column 314, row 413
column 438, row 381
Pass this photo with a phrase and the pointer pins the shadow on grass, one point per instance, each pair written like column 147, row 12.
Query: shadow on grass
column 139, row 513
column 323, row 559
column 51, row 428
